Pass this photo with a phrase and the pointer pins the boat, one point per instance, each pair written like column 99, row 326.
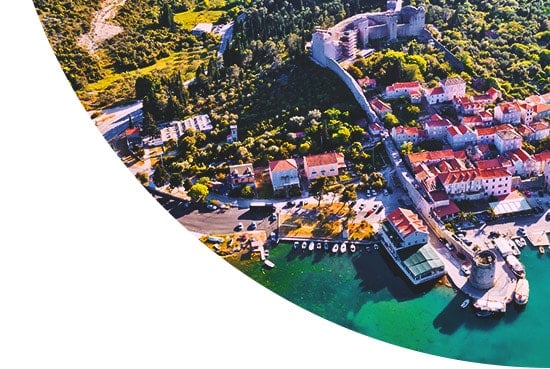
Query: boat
column 522, row 242
column 521, row 293
column 465, row 303
column 296, row 244
column 376, row 246
column 343, row 247
column 352, row 247
column 485, row 313
column 325, row 246
column 367, row 248
column 304, row 245
column 335, row 248
column 515, row 250
column 311, row 246
column 318, row 246
column 516, row 266
column 269, row 263
column 541, row 249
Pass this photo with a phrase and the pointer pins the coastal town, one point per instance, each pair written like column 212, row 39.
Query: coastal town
column 464, row 210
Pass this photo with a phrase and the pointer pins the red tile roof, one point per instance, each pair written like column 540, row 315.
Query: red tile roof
column 488, row 164
column 406, row 222
column 540, row 126
column 543, row 156
column 132, row 131
column 435, row 91
column 483, row 131
column 464, row 175
column 452, row 81
column 428, row 156
column 324, row 159
column 282, row 165
column 494, row 173
column 447, row 210
column 380, row 105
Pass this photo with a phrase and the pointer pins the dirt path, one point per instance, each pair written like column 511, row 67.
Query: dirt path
column 101, row 29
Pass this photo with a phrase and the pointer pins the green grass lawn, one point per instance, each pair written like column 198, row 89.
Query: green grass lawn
column 190, row 18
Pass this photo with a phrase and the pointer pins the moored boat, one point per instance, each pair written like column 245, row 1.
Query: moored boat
column 311, row 246
column 485, row 313
column 326, row 246
column 335, row 248
column 522, row 242
column 541, row 249
column 521, row 293
column 269, row 263
column 296, row 244
column 376, row 246
column 304, row 245
column 516, row 266
column 318, row 246
column 465, row 303
column 352, row 247
column 343, row 247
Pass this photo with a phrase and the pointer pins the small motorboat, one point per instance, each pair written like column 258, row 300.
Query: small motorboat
column 304, row 245
column 541, row 249
column 465, row 303
column 522, row 242
column 296, row 244
column 318, row 246
column 269, row 263
column 485, row 313
column 352, row 247
column 335, row 248
column 343, row 247
column 326, row 246
column 311, row 246
column 367, row 248
column 376, row 246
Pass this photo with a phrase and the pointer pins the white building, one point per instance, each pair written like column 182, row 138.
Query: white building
column 283, row 174
column 460, row 136
column 453, row 87
column 409, row 228
column 507, row 140
column 176, row 128
column 323, row 165
column 496, row 182
column 508, row 112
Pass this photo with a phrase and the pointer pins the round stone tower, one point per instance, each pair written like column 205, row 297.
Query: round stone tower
column 483, row 270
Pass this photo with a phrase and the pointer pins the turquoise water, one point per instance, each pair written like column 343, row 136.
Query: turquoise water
column 366, row 293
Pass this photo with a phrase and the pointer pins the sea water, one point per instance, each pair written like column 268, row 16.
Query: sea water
column 366, row 293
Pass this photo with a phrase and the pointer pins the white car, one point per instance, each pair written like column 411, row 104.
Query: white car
column 465, row 270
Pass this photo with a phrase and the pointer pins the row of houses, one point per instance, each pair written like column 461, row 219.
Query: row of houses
column 504, row 136
column 286, row 173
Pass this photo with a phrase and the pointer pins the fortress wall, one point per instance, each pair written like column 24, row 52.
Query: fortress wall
column 377, row 32
column 354, row 87
column 449, row 56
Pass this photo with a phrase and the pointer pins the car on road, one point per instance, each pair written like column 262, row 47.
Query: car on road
column 239, row 227
column 273, row 217
column 521, row 231
column 253, row 225
column 450, row 246
column 547, row 216
column 211, row 207
column 290, row 204
column 465, row 270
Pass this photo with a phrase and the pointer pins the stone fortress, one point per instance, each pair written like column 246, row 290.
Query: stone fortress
column 347, row 38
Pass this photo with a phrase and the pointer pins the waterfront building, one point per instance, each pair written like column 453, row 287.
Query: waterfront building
column 496, row 182
column 482, row 274
column 323, row 165
column 405, row 237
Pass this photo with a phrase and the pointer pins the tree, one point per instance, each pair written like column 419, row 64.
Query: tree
column 407, row 148
column 390, row 120
column 349, row 194
column 176, row 180
column 247, row 192
column 160, row 176
column 166, row 17
column 318, row 188
column 149, row 126
column 198, row 192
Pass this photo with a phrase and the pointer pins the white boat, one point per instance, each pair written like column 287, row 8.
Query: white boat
column 522, row 242
column 269, row 263
column 296, row 244
column 311, row 246
column 304, row 245
column 521, row 293
column 465, row 303
column 335, row 248
column 485, row 313
column 343, row 247
column 376, row 246
column 318, row 246
column 352, row 247
column 516, row 266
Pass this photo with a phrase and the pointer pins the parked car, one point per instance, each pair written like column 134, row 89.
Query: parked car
column 547, row 217
column 239, row 227
column 449, row 246
column 211, row 207
column 273, row 217
column 253, row 225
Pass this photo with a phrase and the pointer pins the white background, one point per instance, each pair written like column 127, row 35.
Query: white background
column 95, row 274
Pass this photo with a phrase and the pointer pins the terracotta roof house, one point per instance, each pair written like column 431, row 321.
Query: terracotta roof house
column 401, row 134
column 508, row 112
column 496, row 182
column 460, row 136
column 507, row 140
column 380, row 107
column 410, row 229
column 323, row 165
column 435, row 95
column 398, row 89
column 463, row 184
column 453, row 87
column 283, row 174
column 486, row 135
column 367, row 83
column 436, row 127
